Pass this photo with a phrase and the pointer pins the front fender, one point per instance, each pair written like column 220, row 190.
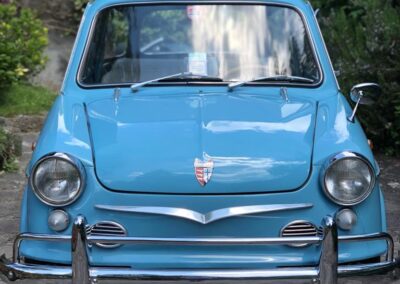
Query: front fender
column 334, row 133
column 65, row 130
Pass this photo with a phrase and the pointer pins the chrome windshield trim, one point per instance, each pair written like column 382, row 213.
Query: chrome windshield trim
column 93, row 23
column 325, row 47
column 209, row 217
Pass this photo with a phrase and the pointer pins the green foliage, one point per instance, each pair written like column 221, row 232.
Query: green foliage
column 158, row 24
column 8, row 150
column 363, row 37
column 22, row 41
column 25, row 99
column 79, row 6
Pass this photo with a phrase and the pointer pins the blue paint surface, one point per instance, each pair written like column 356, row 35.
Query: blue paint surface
column 150, row 143
column 140, row 151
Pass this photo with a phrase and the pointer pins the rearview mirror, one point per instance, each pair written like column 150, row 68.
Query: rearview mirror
column 364, row 94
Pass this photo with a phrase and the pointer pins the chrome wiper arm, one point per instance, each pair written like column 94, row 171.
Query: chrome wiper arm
column 180, row 76
column 284, row 78
column 137, row 86
column 196, row 77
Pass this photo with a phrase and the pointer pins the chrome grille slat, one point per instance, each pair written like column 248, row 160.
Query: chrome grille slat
column 295, row 235
column 299, row 233
column 299, row 229
column 107, row 234
column 107, row 229
column 104, row 225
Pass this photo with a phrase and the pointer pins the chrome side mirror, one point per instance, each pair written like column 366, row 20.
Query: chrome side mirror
column 364, row 94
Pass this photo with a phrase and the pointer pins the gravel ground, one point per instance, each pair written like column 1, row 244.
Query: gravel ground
column 11, row 185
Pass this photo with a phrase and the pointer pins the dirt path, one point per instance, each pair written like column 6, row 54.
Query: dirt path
column 11, row 187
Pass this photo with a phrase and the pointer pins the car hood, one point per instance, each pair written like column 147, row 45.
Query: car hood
column 215, row 143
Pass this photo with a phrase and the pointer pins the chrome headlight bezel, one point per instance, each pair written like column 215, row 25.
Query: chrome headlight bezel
column 76, row 163
column 340, row 157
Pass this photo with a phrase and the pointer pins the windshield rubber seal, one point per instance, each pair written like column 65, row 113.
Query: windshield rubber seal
column 164, row 3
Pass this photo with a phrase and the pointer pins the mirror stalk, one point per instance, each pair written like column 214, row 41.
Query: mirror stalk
column 353, row 115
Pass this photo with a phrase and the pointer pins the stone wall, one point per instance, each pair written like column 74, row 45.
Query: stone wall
column 58, row 53
column 57, row 14
column 58, row 17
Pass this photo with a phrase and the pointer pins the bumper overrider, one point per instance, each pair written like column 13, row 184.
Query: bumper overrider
column 327, row 271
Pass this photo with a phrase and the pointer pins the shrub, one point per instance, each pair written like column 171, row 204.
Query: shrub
column 9, row 148
column 22, row 41
column 364, row 41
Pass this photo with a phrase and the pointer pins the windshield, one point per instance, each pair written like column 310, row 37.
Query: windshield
column 136, row 43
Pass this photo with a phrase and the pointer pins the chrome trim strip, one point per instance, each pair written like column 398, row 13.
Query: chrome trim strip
column 325, row 272
column 89, row 36
column 24, row 271
column 209, row 217
column 205, row 241
column 221, row 274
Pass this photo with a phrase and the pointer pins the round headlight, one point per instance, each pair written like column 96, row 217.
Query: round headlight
column 58, row 179
column 348, row 179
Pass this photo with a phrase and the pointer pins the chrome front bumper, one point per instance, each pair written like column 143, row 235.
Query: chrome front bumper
column 80, row 271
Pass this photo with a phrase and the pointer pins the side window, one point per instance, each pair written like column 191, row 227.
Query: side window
column 117, row 37
column 110, row 42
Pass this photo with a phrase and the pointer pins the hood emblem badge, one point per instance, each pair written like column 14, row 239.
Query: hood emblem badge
column 203, row 171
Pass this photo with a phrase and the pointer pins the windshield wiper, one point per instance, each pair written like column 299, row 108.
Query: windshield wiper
column 195, row 77
column 278, row 78
column 184, row 76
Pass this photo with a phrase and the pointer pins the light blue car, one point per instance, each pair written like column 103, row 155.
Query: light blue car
column 202, row 140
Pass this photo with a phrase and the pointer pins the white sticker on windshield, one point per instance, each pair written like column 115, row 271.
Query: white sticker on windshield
column 198, row 63
column 193, row 12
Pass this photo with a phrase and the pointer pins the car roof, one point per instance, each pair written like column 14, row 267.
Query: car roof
column 296, row 3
